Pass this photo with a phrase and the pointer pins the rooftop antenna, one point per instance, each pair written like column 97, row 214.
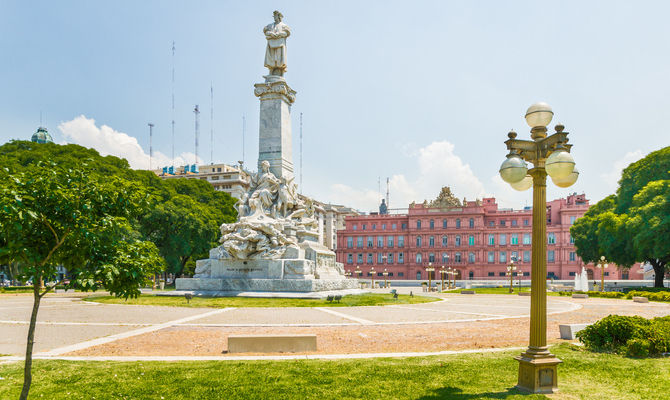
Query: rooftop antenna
column 300, row 153
column 196, row 111
column 151, row 147
column 173, row 49
column 40, row 117
column 244, row 128
column 387, row 192
column 211, row 124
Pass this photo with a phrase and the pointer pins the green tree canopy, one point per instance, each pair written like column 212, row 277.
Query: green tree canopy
column 633, row 225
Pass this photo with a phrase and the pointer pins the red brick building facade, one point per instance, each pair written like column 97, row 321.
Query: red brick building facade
column 478, row 239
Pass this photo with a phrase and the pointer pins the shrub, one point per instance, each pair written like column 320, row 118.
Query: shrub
column 654, row 296
column 631, row 335
column 646, row 289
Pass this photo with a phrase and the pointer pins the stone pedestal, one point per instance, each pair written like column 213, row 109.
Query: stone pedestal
column 275, row 126
column 538, row 374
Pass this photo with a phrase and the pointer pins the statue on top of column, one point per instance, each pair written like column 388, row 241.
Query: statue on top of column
column 275, row 53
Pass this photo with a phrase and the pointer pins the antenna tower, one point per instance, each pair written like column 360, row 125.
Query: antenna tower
column 151, row 146
column 196, row 111
column 387, row 192
column 300, row 153
column 173, row 49
column 211, row 124
column 244, row 128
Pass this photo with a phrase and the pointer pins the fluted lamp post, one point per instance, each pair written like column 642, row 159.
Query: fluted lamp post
column 602, row 264
column 510, row 272
column 430, row 269
column 550, row 155
column 372, row 274
column 452, row 278
column 443, row 271
column 386, row 276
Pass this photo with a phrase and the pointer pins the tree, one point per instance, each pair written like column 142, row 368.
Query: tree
column 633, row 225
column 78, row 218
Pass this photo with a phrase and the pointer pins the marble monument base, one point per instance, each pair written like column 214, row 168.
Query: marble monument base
column 264, row 285
column 281, row 295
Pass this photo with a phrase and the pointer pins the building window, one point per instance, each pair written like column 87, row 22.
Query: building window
column 526, row 256
column 380, row 241
column 551, row 255
column 380, row 258
column 444, row 241
column 418, row 258
column 403, row 226
column 418, row 275
column 492, row 239
column 492, row 274
column 526, row 222
column 471, row 257
column 624, row 275
column 374, row 227
column 503, row 239
column 359, row 242
column 551, row 238
column 501, row 274
column 431, row 241
column 471, row 240
column 526, row 238
column 383, row 227
column 502, row 222
column 432, row 224
column 572, row 219
column 401, row 274
column 458, row 240
column 526, row 274
column 431, row 257
column 418, row 224
column 491, row 257
column 472, row 222
column 401, row 241
column 350, row 242
column 607, row 273
column 445, row 258
column 389, row 242
column 571, row 273
column 492, row 224
column 514, row 256
column 514, row 222
column 401, row 258
column 394, row 226
column 354, row 227
column 502, row 257
column 444, row 224
column 370, row 258
column 572, row 240
column 390, row 259
column 458, row 223
column 364, row 226
column 418, row 241
column 514, row 239
column 457, row 258
column 573, row 256
column 359, row 258
column 370, row 241
column 350, row 258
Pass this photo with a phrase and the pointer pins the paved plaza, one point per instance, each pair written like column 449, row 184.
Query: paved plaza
column 69, row 326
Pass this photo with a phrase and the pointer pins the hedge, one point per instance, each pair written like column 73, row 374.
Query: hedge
column 630, row 335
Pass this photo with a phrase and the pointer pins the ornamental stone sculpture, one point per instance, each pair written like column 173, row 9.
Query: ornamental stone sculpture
column 275, row 52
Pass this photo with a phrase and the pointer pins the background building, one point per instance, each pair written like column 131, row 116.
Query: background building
column 476, row 238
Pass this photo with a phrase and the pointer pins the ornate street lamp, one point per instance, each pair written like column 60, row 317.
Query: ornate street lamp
column 443, row 272
column 386, row 275
column 347, row 273
column 550, row 155
column 372, row 273
column 510, row 272
column 358, row 271
column 602, row 264
column 430, row 269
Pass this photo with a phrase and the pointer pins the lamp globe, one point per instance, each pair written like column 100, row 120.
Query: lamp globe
column 539, row 114
column 559, row 164
column 568, row 181
column 513, row 169
column 524, row 184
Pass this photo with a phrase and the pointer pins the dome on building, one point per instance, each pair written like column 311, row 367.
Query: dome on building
column 42, row 136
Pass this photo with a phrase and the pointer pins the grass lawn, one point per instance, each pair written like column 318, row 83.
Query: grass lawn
column 583, row 375
column 370, row 299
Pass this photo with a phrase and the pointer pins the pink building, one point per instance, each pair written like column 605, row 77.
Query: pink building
column 477, row 238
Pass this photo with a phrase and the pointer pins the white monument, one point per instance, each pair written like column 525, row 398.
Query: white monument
column 273, row 246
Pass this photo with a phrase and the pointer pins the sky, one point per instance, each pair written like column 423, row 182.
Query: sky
column 420, row 92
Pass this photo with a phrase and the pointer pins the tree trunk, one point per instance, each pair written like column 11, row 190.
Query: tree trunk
column 659, row 272
column 27, row 371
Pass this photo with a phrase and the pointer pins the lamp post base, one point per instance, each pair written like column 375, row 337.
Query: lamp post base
column 538, row 374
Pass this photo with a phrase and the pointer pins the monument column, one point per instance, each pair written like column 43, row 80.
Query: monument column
column 330, row 229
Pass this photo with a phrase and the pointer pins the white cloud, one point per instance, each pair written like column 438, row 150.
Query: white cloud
column 438, row 166
column 108, row 141
column 612, row 178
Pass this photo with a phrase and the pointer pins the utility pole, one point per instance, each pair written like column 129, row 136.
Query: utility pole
column 211, row 124
column 173, row 49
column 300, row 153
column 196, row 111
column 244, row 128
